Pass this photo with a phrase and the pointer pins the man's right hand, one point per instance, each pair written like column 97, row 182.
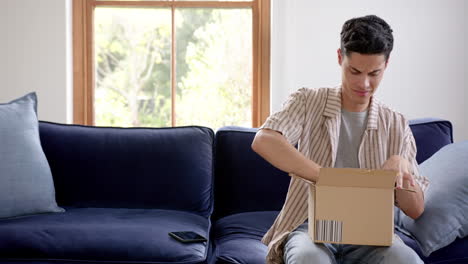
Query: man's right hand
column 274, row 148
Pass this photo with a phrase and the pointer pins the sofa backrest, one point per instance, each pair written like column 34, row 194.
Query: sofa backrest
column 430, row 134
column 245, row 182
column 163, row 168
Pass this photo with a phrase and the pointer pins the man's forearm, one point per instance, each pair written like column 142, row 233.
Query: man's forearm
column 274, row 148
column 411, row 203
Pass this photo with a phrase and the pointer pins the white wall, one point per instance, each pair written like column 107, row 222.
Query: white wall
column 427, row 73
column 35, row 51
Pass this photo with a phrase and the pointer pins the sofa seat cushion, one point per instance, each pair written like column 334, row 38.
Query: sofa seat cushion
column 452, row 254
column 237, row 238
column 94, row 235
column 242, row 233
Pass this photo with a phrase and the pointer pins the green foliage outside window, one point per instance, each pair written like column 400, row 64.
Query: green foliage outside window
column 133, row 67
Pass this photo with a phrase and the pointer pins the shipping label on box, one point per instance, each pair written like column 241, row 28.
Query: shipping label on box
column 352, row 206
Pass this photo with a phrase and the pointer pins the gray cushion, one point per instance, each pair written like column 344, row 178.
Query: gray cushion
column 446, row 201
column 26, row 184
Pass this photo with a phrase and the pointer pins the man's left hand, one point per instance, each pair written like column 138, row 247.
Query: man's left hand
column 401, row 166
column 411, row 203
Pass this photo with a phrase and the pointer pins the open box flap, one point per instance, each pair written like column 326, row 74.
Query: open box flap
column 348, row 177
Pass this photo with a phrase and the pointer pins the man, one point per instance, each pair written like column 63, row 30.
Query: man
column 341, row 127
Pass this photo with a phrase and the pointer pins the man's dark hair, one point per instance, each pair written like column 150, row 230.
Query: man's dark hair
column 367, row 35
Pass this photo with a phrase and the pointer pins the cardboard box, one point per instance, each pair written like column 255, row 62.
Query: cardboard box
column 352, row 206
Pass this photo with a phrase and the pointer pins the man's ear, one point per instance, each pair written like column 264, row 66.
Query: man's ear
column 386, row 62
column 340, row 56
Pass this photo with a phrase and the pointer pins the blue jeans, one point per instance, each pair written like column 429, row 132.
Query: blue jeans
column 299, row 248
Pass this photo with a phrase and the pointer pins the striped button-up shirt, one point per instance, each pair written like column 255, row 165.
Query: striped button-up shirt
column 311, row 118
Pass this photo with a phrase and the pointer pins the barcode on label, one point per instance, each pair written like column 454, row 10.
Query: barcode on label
column 329, row 230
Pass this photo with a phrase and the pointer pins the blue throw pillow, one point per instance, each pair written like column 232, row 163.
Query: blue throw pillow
column 26, row 184
column 445, row 215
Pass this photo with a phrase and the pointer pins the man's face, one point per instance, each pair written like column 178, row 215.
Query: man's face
column 361, row 75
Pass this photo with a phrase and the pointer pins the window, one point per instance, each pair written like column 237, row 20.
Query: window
column 171, row 63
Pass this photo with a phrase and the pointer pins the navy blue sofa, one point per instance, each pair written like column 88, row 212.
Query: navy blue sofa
column 249, row 193
column 124, row 189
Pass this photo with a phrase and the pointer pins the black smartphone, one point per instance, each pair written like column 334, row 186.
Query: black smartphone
column 187, row 236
